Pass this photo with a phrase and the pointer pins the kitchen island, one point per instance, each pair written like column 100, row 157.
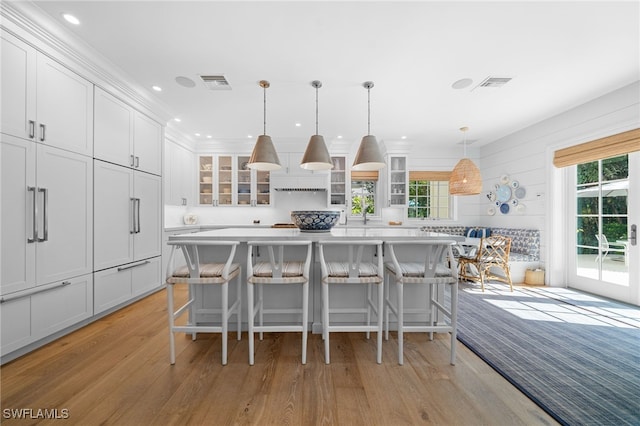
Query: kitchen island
column 208, row 297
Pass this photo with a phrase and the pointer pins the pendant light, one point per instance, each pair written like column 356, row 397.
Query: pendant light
column 316, row 156
column 368, row 156
column 264, row 155
column 465, row 178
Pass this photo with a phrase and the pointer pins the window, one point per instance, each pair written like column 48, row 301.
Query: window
column 363, row 196
column 429, row 195
column 601, row 219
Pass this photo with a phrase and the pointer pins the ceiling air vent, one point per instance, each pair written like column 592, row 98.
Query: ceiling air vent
column 494, row 81
column 215, row 82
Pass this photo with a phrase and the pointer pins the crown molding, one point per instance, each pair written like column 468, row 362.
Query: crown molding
column 29, row 23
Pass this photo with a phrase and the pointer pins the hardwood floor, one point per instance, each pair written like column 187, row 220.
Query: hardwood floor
column 117, row 371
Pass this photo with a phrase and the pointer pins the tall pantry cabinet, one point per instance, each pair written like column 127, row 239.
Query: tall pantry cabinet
column 80, row 212
column 128, row 202
column 46, row 217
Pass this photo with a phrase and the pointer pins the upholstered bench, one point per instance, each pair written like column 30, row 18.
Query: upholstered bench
column 525, row 245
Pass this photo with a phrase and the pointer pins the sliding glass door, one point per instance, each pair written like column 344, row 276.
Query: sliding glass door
column 605, row 214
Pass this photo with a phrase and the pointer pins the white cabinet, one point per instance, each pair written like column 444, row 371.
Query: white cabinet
column 125, row 136
column 44, row 101
column 47, row 214
column 25, row 318
column 178, row 174
column 397, row 181
column 340, row 182
column 225, row 180
column 116, row 286
column 127, row 215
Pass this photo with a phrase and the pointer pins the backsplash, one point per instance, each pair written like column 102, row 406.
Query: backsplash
column 283, row 203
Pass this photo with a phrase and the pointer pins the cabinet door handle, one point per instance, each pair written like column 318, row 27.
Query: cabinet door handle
column 45, row 215
column 124, row 268
column 138, row 215
column 132, row 203
column 34, row 211
column 132, row 160
column 137, row 162
column 32, row 129
column 43, row 128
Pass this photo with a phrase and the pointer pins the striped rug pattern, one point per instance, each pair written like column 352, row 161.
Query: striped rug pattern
column 575, row 355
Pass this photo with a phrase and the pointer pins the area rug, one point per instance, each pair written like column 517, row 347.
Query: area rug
column 575, row 355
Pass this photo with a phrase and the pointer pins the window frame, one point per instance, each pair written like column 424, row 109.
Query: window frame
column 429, row 179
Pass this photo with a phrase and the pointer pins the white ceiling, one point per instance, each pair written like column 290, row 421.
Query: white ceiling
column 559, row 54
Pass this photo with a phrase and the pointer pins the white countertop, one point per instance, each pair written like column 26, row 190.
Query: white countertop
column 260, row 233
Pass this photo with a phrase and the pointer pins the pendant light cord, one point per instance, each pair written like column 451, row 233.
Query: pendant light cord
column 316, row 109
column 264, row 115
column 464, row 140
column 368, row 111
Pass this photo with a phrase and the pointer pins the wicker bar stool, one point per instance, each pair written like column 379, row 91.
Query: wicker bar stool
column 195, row 273
column 278, row 270
column 348, row 270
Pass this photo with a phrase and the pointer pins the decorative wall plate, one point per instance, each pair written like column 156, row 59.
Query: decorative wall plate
column 491, row 211
column 515, row 184
column 521, row 192
column 503, row 193
column 504, row 208
column 520, row 209
column 504, row 179
column 491, row 196
column 514, row 202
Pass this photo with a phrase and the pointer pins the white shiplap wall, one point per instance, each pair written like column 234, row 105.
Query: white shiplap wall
column 527, row 157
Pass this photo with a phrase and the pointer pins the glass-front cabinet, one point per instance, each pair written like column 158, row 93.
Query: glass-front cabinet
column 263, row 188
column 205, row 179
column 397, row 181
column 339, row 181
column 224, row 193
column 244, row 181
column 225, row 180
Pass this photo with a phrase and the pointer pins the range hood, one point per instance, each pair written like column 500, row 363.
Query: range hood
column 300, row 183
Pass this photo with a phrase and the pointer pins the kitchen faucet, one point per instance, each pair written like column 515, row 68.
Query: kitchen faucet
column 364, row 215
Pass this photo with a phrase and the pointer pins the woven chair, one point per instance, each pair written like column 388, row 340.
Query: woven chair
column 194, row 274
column 492, row 254
column 281, row 270
column 343, row 270
column 437, row 269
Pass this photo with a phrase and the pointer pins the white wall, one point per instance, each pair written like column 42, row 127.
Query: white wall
column 527, row 157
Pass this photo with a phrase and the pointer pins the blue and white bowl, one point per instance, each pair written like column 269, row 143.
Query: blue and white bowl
column 315, row 220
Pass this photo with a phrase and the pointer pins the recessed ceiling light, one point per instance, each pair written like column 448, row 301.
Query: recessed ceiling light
column 157, row 88
column 71, row 19
column 339, row 136
column 250, row 137
column 208, row 136
column 462, row 83
column 298, row 124
column 403, row 137
column 198, row 134
column 177, row 119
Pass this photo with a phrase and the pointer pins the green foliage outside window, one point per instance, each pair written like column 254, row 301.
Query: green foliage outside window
column 602, row 198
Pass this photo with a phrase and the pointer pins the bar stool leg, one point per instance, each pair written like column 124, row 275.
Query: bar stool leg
column 400, row 315
column 260, row 308
column 251, row 317
column 225, row 320
column 239, row 305
column 379, row 318
column 305, row 320
column 386, row 305
column 325, row 320
column 170, row 308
